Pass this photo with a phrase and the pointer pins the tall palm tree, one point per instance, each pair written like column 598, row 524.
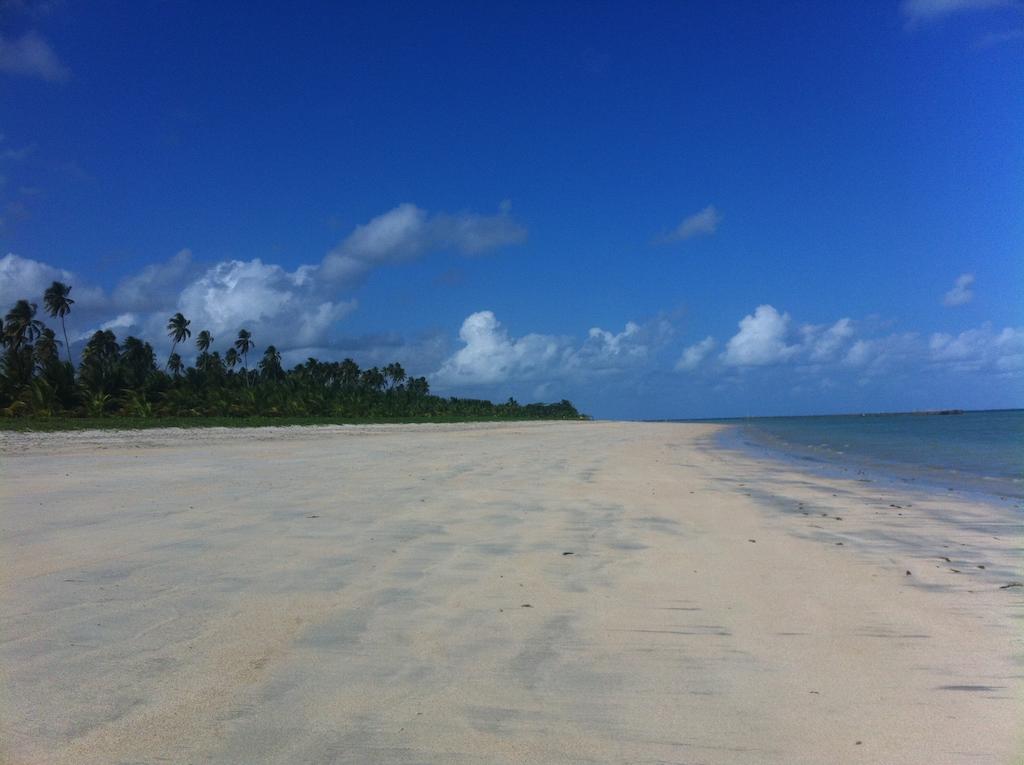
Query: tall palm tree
column 231, row 358
column 177, row 330
column 244, row 345
column 270, row 364
column 203, row 341
column 59, row 304
column 21, row 324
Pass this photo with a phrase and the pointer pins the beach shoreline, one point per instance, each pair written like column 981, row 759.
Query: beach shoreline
column 521, row 592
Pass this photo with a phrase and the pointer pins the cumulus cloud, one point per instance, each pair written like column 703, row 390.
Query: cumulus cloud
column 961, row 292
column 604, row 352
column 823, row 343
column 275, row 304
column 983, row 349
column 27, row 279
column 408, row 232
column 893, row 353
column 491, row 355
column 293, row 309
column 155, row 287
column 761, row 339
column 919, row 11
column 871, row 357
column 702, row 223
column 31, row 56
column 693, row 355
column 24, row 278
column 979, row 349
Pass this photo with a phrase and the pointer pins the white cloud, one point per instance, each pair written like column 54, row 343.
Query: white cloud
column 979, row 349
column 398, row 234
column 961, row 292
column 695, row 354
column 291, row 309
column 490, row 355
column 284, row 308
column 472, row 234
column 604, row 348
column 277, row 306
column 31, row 56
column 407, row 232
column 26, row 279
column 875, row 356
column 761, row 339
column 1009, row 345
column 918, row 11
column 822, row 344
column 156, row 286
column 120, row 322
column 702, row 223
column 860, row 353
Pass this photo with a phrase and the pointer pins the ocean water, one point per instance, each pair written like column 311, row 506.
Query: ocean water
column 976, row 451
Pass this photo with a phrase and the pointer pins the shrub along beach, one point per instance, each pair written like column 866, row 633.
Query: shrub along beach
column 122, row 384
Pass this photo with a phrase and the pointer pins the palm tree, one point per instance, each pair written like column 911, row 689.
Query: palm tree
column 244, row 345
column 203, row 341
column 270, row 364
column 177, row 330
column 46, row 347
column 174, row 364
column 231, row 358
column 59, row 304
column 21, row 324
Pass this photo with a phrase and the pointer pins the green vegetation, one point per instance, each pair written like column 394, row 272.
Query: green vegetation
column 122, row 385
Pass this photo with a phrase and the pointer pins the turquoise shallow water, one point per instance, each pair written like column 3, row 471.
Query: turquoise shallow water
column 980, row 451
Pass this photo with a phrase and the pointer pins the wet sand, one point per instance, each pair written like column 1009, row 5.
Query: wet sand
column 523, row 593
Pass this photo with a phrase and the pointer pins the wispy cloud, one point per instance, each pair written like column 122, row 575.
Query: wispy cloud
column 961, row 292
column 702, row 223
column 998, row 38
column 31, row 56
column 695, row 354
column 407, row 232
column 921, row 11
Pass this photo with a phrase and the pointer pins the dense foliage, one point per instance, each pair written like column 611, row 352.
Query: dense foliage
column 123, row 379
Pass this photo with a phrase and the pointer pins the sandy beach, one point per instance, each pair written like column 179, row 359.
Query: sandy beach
column 580, row 592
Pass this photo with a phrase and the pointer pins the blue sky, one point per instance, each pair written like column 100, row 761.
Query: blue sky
column 672, row 210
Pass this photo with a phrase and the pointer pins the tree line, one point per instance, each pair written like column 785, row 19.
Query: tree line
column 125, row 378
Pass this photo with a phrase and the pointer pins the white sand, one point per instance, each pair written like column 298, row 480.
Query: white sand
column 360, row 595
